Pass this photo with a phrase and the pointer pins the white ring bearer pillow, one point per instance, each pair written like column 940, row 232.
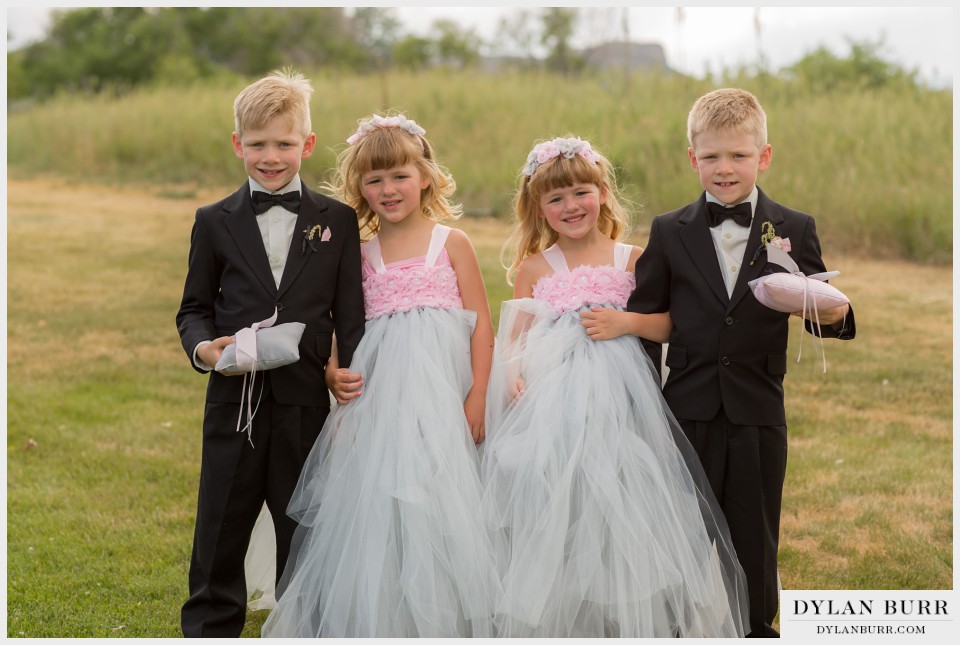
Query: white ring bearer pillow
column 794, row 291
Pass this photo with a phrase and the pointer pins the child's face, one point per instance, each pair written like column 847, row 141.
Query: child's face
column 393, row 193
column 728, row 164
column 572, row 211
column 272, row 155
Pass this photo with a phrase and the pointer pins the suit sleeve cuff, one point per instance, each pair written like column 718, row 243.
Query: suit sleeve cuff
column 196, row 359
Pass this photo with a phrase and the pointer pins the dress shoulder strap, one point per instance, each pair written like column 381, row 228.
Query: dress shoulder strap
column 554, row 257
column 371, row 253
column 437, row 239
column 621, row 255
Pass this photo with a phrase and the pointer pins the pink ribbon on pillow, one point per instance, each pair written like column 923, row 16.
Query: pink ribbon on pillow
column 246, row 348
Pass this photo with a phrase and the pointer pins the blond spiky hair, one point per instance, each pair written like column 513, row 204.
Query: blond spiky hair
column 284, row 93
column 727, row 110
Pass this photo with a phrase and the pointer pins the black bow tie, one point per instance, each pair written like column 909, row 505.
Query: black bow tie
column 262, row 202
column 742, row 213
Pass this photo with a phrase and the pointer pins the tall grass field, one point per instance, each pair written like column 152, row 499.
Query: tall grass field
column 104, row 410
column 874, row 166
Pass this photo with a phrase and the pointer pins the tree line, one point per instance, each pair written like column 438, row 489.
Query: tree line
column 97, row 48
column 94, row 49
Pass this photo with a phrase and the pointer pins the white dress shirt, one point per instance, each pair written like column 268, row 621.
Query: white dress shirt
column 730, row 241
column 276, row 228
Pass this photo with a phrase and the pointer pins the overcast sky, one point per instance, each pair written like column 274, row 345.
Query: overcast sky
column 697, row 38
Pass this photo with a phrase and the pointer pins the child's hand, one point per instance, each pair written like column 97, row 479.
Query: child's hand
column 343, row 384
column 605, row 324
column 210, row 352
column 474, row 408
column 826, row 316
column 516, row 388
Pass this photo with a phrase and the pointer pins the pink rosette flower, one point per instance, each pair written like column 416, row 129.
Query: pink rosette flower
column 585, row 285
column 407, row 288
column 547, row 151
column 568, row 147
column 377, row 121
column 782, row 243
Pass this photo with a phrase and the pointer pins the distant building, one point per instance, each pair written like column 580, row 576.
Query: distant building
column 612, row 55
column 635, row 56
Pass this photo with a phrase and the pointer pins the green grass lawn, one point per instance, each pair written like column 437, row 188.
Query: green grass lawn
column 103, row 437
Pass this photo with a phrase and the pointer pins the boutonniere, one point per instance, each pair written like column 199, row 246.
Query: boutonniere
column 310, row 233
column 769, row 237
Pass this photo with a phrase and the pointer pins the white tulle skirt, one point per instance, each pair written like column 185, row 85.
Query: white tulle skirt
column 611, row 525
column 391, row 542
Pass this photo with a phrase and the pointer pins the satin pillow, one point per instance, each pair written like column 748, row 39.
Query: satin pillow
column 785, row 292
column 276, row 346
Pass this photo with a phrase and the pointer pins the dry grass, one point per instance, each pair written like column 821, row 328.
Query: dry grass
column 104, row 416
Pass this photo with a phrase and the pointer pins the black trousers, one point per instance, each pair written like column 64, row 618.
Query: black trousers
column 746, row 466
column 235, row 480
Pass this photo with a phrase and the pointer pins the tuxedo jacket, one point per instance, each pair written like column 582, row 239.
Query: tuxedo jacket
column 728, row 351
column 229, row 285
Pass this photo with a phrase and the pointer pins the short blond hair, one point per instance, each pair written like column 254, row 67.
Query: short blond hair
column 284, row 93
column 531, row 234
column 729, row 110
column 389, row 147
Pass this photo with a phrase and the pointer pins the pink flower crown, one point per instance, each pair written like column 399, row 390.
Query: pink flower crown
column 547, row 150
column 377, row 121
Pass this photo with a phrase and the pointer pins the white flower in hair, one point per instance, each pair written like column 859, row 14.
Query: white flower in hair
column 377, row 121
column 542, row 152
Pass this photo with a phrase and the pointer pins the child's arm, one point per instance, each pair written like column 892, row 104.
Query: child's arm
column 195, row 319
column 342, row 383
column 474, row 297
column 531, row 269
column 606, row 324
column 348, row 313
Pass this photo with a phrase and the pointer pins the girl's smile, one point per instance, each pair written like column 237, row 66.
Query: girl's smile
column 572, row 211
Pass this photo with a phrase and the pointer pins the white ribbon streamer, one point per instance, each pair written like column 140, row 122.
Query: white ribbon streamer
column 246, row 348
column 780, row 257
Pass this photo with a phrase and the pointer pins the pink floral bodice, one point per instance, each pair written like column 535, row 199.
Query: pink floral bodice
column 568, row 290
column 425, row 281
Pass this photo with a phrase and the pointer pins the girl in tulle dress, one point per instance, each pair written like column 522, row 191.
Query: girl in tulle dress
column 611, row 525
column 391, row 542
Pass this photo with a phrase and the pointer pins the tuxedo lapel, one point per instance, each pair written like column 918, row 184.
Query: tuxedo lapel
column 312, row 213
column 241, row 222
column 767, row 211
column 695, row 236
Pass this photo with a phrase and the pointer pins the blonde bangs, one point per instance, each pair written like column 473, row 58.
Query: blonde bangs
column 385, row 148
column 560, row 172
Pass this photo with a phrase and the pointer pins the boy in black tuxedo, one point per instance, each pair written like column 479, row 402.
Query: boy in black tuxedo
column 273, row 245
column 727, row 352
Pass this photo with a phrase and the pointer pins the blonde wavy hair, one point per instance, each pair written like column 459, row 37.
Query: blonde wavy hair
column 388, row 147
column 531, row 234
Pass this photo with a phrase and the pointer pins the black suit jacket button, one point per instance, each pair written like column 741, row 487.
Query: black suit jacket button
column 728, row 320
column 724, row 361
column 279, row 306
